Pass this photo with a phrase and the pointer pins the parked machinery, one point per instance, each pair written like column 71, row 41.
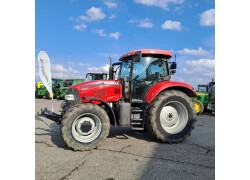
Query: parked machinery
column 143, row 96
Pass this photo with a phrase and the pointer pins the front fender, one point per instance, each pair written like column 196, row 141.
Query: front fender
column 164, row 85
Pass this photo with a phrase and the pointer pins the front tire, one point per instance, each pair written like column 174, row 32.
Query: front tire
column 170, row 116
column 198, row 106
column 85, row 126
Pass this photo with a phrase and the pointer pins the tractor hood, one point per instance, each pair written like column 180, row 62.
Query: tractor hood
column 107, row 90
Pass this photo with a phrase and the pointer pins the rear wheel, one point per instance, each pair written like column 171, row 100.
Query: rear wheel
column 85, row 126
column 37, row 96
column 170, row 116
column 198, row 106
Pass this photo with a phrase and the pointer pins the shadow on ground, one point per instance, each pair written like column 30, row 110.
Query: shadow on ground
column 53, row 131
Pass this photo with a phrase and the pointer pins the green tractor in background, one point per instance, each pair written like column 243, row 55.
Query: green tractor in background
column 68, row 83
column 205, row 99
column 41, row 90
column 96, row 76
column 56, row 87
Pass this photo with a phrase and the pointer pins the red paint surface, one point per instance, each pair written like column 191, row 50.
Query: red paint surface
column 148, row 51
column 97, row 89
column 157, row 88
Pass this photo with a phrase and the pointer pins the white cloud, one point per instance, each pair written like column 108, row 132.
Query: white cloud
column 207, row 18
column 146, row 23
column 57, row 75
column 159, row 3
column 112, row 16
column 176, row 78
column 204, row 67
column 194, row 52
column 110, row 4
column 73, row 71
column 100, row 32
column 104, row 68
column 114, row 35
column 194, row 72
column 172, row 25
column 93, row 14
column 59, row 68
column 67, row 76
column 80, row 27
column 132, row 21
column 83, row 64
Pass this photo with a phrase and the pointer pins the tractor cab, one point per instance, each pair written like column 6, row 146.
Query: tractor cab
column 140, row 71
column 202, row 88
column 56, row 83
column 211, row 96
column 96, row 76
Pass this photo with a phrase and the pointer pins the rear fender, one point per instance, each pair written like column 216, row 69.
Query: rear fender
column 167, row 85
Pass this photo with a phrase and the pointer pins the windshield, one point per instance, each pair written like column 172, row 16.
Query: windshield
column 150, row 69
column 202, row 89
column 125, row 69
column 99, row 76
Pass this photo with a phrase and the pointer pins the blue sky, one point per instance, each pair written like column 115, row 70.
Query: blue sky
column 78, row 35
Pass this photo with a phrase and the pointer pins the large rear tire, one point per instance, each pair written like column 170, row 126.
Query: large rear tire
column 85, row 126
column 198, row 106
column 170, row 116
column 37, row 96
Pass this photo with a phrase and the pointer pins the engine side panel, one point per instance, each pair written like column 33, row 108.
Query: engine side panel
column 106, row 90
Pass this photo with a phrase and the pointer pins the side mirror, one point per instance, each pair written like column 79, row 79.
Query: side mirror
column 137, row 56
column 173, row 71
column 173, row 65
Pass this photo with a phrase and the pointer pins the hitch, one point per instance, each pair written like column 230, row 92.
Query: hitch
column 50, row 115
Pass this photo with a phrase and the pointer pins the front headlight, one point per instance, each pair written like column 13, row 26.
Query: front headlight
column 70, row 97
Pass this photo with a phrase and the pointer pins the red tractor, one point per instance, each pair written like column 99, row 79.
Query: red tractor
column 143, row 97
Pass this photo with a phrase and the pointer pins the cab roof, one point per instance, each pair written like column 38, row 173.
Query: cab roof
column 147, row 51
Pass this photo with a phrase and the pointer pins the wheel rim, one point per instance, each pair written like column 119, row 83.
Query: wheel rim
column 173, row 117
column 197, row 107
column 86, row 127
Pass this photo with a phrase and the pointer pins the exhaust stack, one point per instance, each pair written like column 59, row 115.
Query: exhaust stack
column 110, row 68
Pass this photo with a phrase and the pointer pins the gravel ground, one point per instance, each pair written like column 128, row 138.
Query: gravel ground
column 126, row 154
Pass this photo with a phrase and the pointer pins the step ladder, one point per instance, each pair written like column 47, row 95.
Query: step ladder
column 136, row 123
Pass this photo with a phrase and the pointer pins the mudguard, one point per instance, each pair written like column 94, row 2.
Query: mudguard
column 164, row 85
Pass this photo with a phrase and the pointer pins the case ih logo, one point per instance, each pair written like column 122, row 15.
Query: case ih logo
column 111, row 83
column 101, row 84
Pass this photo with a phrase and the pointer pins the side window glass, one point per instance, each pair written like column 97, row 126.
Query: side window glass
column 157, row 71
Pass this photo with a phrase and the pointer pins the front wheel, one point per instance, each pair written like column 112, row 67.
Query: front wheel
column 85, row 126
column 170, row 116
column 198, row 106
